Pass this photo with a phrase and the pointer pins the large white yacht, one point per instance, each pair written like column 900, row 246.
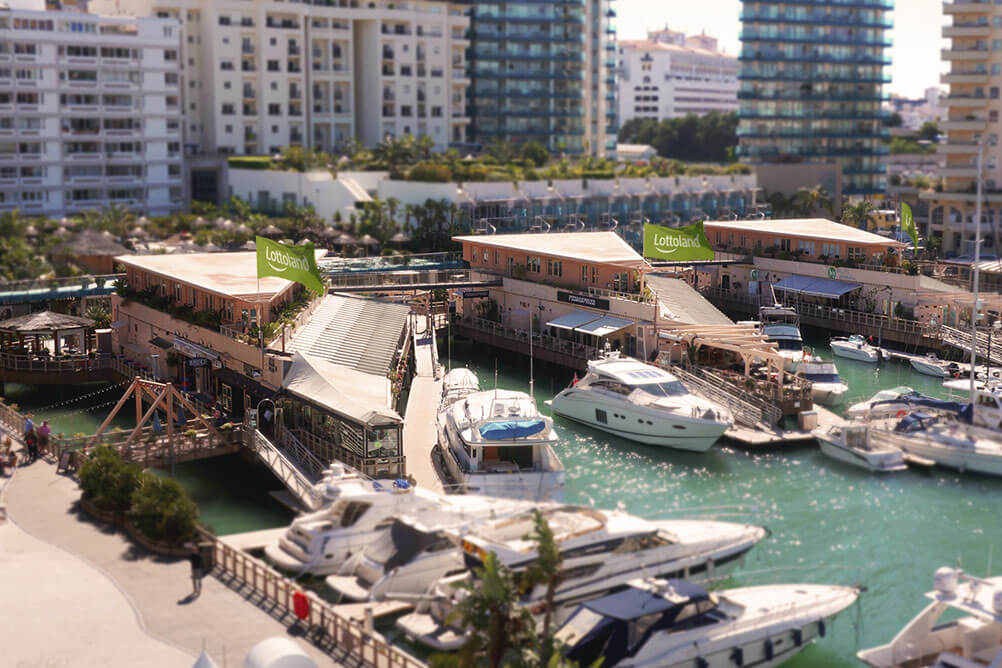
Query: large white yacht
column 358, row 511
column 953, row 443
column 974, row 640
column 855, row 347
column 601, row 550
column 496, row 443
column 676, row 624
column 894, row 402
column 642, row 403
column 827, row 388
column 781, row 324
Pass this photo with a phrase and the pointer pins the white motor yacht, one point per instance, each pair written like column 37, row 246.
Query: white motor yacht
column 827, row 388
column 358, row 511
column 856, row 445
column 781, row 324
column 895, row 402
column 676, row 624
column 974, row 640
column 405, row 560
column 496, row 443
column 458, row 384
column 642, row 403
column 953, row 443
column 856, row 348
column 931, row 365
column 601, row 550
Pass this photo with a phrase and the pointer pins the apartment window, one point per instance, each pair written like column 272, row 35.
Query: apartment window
column 27, row 98
column 806, row 246
column 227, row 109
column 831, row 250
column 227, row 85
column 997, row 45
column 993, row 92
column 533, row 264
column 993, row 116
column 856, row 253
column 170, row 55
column 274, row 109
column 554, row 268
column 497, row 257
column 226, row 65
column 584, row 273
column 996, row 69
column 273, row 66
column 170, row 78
column 485, row 256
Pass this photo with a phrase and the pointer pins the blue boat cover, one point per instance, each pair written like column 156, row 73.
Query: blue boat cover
column 511, row 429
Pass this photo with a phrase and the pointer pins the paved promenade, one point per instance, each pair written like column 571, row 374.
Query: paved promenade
column 86, row 596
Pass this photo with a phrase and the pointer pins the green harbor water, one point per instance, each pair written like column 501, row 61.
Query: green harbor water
column 830, row 523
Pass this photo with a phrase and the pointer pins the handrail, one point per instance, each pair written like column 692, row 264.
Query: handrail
column 961, row 339
column 340, row 633
column 290, row 475
column 99, row 280
column 744, row 411
column 288, row 441
column 538, row 340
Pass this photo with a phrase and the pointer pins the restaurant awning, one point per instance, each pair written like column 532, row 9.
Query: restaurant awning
column 816, row 287
column 588, row 322
column 574, row 320
column 605, row 326
column 162, row 343
column 358, row 396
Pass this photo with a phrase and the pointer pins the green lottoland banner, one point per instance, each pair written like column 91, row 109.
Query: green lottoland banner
column 677, row 244
column 293, row 263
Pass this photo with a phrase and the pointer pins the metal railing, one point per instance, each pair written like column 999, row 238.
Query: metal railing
column 292, row 446
column 539, row 341
column 61, row 364
column 278, row 593
column 746, row 409
column 961, row 339
column 288, row 472
column 82, row 282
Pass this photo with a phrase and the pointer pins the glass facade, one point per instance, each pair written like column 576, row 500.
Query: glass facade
column 538, row 72
column 812, row 75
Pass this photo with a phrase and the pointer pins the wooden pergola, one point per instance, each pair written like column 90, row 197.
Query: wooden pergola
column 746, row 341
column 34, row 327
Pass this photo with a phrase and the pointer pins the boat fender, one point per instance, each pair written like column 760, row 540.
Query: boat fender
column 901, row 413
column 702, row 663
column 767, row 650
column 738, row 656
column 821, row 628
column 798, row 637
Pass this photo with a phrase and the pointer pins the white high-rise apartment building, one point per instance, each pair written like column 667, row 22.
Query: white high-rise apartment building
column 90, row 113
column 259, row 75
column 670, row 75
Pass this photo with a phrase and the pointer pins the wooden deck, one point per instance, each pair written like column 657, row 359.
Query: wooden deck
column 776, row 437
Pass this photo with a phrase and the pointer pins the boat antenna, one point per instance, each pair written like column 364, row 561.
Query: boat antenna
column 975, row 267
column 495, row 377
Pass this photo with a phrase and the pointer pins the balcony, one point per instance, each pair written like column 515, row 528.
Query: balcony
column 974, row 124
column 965, row 77
column 967, row 30
column 962, row 6
column 967, row 171
column 958, row 147
column 979, row 52
column 964, row 100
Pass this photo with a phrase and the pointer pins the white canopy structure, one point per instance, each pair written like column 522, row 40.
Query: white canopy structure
column 360, row 397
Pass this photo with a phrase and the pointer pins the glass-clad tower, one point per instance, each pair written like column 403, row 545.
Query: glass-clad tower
column 543, row 70
column 812, row 74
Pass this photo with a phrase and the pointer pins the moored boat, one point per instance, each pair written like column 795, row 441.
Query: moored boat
column 930, row 365
column 781, row 325
column 856, row 445
column 827, row 388
column 642, row 403
column 676, row 624
column 855, row 347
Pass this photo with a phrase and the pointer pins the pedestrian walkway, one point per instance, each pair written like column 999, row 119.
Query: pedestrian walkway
column 69, row 602
column 421, row 432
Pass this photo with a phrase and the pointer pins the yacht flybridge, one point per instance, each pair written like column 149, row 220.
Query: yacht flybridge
column 601, row 550
column 676, row 624
column 496, row 443
column 972, row 641
column 642, row 403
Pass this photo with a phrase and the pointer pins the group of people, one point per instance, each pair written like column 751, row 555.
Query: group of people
column 36, row 439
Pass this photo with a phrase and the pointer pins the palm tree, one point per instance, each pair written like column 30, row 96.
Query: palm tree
column 115, row 219
column 394, row 153
column 809, row 200
column 780, row 203
column 423, row 147
column 858, row 213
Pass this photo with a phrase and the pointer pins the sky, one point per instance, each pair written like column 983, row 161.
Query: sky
column 917, row 33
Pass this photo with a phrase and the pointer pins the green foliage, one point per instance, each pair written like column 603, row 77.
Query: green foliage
column 430, row 172
column 535, row 152
column 808, row 200
column 858, row 214
column 19, row 258
column 100, row 315
column 163, row 511
column 250, row 162
column 908, row 145
column 893, row 121
column 107, row 481
column 929, row 131
column 691, row 138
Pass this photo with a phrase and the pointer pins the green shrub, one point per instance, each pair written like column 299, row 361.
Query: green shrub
column 163, row 511
column 430, row 172
column 250, row 162
column 108, row 481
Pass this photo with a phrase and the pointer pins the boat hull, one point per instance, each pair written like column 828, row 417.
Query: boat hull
column 875, row 462
column 958, row 457
column 853, row 353
column 828, row 394
column 650, row 427
column 927, row 369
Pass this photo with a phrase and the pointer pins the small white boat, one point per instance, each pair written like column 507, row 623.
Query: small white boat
column 781, row 324
column 675, row 624
column 856, row 348
column 827, row 388
column 931, row 365
column 642, row 403
column 857, row 445
column 972, row 641
column 952, row 443
column 895, row 402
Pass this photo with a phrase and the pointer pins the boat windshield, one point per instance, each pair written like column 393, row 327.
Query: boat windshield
column 669, row 389
column 823, row 377
column 789, row 344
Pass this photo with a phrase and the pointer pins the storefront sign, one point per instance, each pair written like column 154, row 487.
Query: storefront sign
column 189, row 349
column 476, row 294
column 197, row 362
column 583, row 300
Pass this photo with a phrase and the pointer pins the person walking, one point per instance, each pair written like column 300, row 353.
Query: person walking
column 29, row 426
column 43, row 437
column 31, row 441
column 197, row 571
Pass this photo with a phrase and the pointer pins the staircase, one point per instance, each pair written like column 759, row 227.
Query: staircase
column 747, row 410
column 960, row 339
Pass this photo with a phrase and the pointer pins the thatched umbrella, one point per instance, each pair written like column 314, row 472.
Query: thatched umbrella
column 249, row 246
column 346, row 239
column 330, row 233
column 199, row 222
column 30, row 231
column 368, row 240
column 142, row 221
column 399, row 238
column 243, row 229
column 223, row 223
column 303, row 242
column 138, row 233
column 270, row 231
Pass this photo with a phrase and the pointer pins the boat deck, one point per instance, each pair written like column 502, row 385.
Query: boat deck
column 887, row 353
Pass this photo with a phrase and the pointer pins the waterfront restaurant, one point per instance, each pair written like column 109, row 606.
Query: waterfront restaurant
column 191, row 317
column 583, row 289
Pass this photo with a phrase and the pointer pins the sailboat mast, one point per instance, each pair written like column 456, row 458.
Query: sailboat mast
column 974, row 280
